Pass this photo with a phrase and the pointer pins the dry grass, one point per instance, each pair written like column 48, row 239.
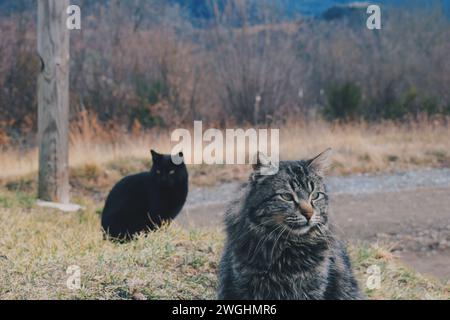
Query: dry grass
column 397, row 281
column 358, row 147
column 37, row 246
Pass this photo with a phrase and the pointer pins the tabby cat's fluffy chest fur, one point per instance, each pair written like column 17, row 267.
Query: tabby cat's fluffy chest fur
column 291, row 271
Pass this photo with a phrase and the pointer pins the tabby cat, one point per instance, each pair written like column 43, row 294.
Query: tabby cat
column 280, row 243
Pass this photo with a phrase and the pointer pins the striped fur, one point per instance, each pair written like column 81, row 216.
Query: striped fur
column 273, row 251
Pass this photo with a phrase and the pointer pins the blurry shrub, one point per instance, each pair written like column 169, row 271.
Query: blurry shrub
column 394, row 106
column 431, row 106
column 4, row 138
column 18, row 100
column 343, row 102
column 447, row 109
column 394, row 110
column 144, row 116
column 398, row 107
column 150, row 92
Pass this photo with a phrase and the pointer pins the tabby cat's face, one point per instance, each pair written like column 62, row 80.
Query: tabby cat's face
column 294, row 199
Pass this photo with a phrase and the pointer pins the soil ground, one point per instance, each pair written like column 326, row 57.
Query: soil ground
column 409, row 212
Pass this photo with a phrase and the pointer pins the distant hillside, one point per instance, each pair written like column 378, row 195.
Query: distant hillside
column 200, row 9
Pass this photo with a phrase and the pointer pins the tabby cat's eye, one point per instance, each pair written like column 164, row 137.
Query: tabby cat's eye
column 316, row 196
column 286, row 197
column 172, row 172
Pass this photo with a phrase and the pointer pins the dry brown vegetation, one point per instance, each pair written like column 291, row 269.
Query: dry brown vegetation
column 176, row 263
column 146, row 64
column 110, row 152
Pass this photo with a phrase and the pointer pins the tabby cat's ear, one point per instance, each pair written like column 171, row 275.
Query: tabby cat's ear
column 321, row 163
column 261, row 161
column 263, row 167
column 155, row 155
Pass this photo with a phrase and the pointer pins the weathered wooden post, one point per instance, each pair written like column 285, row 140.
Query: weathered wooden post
column 53, row 101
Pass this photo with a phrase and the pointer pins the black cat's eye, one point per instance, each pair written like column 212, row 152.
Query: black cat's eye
column 172, row 172
column 287, row 197
column 158, row 172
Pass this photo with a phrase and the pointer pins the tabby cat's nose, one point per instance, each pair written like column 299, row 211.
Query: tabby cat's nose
column 306, row 210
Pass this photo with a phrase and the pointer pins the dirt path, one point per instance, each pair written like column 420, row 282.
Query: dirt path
column 408, row 211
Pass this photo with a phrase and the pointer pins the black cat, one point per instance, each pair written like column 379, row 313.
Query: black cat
column 143, row 202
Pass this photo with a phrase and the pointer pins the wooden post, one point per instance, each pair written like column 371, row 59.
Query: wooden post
column 53, row 101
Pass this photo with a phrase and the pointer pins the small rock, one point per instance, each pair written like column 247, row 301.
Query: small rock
column 138, row 296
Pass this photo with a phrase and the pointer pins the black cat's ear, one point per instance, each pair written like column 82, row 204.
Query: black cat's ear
column 321, row 163
column 155, row 155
